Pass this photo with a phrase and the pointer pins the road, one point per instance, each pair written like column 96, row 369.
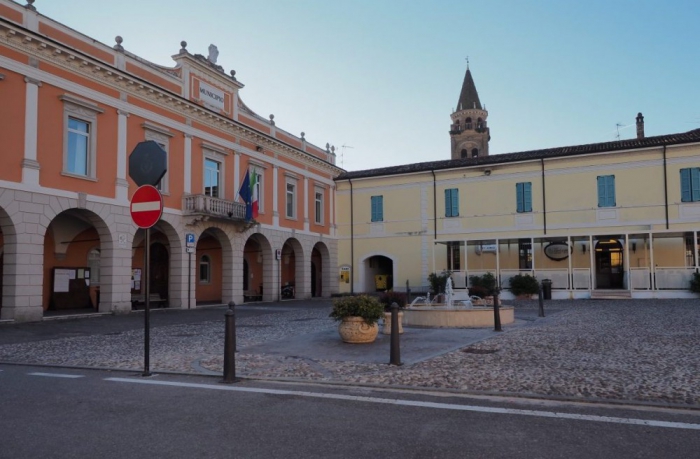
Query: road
column 68, row 413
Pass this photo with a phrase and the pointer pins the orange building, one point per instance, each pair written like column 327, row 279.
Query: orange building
column 73, row 109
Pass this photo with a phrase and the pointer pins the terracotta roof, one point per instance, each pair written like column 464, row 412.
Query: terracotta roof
column 468, row 98
column 631, row 144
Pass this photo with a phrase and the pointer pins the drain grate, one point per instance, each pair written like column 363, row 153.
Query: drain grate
column 470, row 350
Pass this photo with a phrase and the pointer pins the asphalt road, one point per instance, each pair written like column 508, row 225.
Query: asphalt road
column 63, row 413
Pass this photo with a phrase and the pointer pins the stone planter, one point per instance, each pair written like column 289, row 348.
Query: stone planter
column 387, row 323
column 355, row 330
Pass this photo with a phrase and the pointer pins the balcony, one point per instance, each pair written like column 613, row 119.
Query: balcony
column 207, row 206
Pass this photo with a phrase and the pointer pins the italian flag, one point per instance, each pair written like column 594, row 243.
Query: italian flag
column 254, row 194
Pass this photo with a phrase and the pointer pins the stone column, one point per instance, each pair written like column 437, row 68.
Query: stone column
column 306, row 204
column 30, row 166
column 122, row 185
column 275, row 210
column 188, row 164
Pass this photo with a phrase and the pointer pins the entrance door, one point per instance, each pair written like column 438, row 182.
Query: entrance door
column 159, row 270
column 609, row 264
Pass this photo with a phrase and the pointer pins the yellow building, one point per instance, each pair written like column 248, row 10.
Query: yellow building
column 607, row 219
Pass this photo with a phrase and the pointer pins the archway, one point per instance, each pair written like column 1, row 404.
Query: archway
column 292, row 270
column 320, row 270
column 73, row 261
column 378, row 273
column 209, row 281
column 258, row 267
column 160, row 270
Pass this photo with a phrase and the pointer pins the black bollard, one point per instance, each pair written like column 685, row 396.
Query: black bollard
column 541, row 312
column 230, row 345
column 395, row 352
column 496, row 314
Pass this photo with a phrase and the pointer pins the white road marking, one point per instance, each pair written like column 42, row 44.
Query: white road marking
column 414, row 403
column 56, row 375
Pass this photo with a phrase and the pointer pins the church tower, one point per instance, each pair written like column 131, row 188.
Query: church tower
column 469, row 133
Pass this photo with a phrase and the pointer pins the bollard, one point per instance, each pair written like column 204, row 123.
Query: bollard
column 395, row 351
column 496, row 314
column 230, row 345
column 541, row 312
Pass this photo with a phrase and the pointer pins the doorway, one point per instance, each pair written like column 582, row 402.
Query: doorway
column 609, row 264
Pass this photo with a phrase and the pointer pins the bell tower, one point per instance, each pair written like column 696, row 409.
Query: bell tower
column 469, row 132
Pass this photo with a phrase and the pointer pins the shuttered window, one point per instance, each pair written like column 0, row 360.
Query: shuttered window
column 606, row 191
column 524, row 196
column 690, row 184
column 377, row 208
column 452, row 202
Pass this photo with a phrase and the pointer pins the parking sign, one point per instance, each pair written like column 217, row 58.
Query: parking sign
column 189, row 237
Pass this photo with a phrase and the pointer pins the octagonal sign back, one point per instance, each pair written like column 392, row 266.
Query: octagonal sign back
column 148, row 163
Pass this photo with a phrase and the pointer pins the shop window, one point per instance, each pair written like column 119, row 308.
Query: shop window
column 205, row 270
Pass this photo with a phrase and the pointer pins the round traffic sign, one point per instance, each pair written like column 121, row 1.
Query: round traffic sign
column 146, row 206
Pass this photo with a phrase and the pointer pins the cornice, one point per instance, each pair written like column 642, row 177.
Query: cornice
column 48, row 50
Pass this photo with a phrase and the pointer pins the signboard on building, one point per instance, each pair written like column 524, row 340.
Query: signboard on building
column 211, row 96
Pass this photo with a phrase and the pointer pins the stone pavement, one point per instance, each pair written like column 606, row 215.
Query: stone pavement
column 626, row 350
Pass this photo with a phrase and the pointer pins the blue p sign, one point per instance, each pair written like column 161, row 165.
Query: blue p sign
column 189, row 238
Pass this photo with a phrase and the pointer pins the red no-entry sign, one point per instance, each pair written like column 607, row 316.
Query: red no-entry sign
column 146, row 206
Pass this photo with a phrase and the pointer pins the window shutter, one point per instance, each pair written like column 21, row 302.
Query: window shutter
column 380, row 206
column 448, row 203
column 611, row 191
column 685, row 185
column 519, row 196
column 601, row 191
column 455, row 202
column 695, row 184
column 527, row 192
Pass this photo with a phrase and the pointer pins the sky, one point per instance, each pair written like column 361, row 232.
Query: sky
column 378, row 79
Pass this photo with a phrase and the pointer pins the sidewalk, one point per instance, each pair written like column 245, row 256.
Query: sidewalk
column 627, row 350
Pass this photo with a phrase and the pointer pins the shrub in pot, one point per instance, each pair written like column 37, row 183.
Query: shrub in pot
column 524, row 285
column 358, row 316
column 438, row 282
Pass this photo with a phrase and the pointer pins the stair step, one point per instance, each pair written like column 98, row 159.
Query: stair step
column 610, row 294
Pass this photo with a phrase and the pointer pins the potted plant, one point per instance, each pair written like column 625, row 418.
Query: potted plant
column 387, row 299
column 438, row 281
column 524, row 285
column 358, row 316
column 484, row 287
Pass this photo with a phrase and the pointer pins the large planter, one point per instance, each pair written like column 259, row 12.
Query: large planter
column 387, row 323
column 355, row 330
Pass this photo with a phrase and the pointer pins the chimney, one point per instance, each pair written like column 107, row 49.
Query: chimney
column 640, row 126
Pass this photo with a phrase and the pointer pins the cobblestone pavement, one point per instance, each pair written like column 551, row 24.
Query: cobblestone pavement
column 631, row 350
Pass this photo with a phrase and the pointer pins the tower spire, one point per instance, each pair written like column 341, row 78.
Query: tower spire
column 469, row 132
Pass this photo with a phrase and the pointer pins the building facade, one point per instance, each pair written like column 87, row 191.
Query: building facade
column 616, row 218
column 72, row 111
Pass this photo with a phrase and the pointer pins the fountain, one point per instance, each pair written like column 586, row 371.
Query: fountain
column 457, row 311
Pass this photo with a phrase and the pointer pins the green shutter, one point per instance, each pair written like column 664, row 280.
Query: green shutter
column 601, row 191
column 695, row 184
column 519, row 196
column 685, row 185
column 527, row 192
column 611, row 191
column 455, row 202
column 448, row 203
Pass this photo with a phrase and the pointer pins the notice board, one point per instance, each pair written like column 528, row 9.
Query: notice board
column 70, row 288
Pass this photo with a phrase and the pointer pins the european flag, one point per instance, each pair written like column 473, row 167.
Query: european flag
column 245, row 194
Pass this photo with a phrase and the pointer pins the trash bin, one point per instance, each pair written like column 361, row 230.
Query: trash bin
column 547, row 289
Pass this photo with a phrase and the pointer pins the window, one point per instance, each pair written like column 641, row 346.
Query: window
column 453, row 255
column 606, row 191
column 690, row 184
column 524, row 196
column 318, row 206
column 475, row 152
column 464, row 153
column 212, row 178
column 205, row 270
column 468, row 123
column 291, row 199
column 80, row 143
column 452, row 202
column 161, row 136
column 377, row 208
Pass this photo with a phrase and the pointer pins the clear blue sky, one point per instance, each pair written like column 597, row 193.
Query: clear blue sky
column 383, row 76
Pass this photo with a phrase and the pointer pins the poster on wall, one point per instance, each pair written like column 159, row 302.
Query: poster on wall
column 61, row 280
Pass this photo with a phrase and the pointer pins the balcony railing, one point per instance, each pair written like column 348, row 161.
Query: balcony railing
column 200, row 204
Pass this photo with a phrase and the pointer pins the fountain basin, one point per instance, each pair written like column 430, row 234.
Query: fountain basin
column 445, row 317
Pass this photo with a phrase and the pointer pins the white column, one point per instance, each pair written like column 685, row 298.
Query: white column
column 498, row 262
column 695, row 248
column 626, row 265
column 532, row 251
column 236, row 174
column 591, row 253
column 331, row 216
column 188, row 164
column 652, row 268
column 30, row 166
column 275, row 212
column 570, row 276
column 121, row 185
column 306, row 204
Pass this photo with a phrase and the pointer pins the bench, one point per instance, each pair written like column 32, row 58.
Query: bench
column 153, row 298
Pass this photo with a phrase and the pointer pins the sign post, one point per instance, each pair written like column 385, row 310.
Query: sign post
column 146, row 209
column 189, row 248
column 148, row 163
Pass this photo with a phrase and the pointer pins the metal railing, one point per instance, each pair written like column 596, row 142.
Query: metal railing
column 200, row 204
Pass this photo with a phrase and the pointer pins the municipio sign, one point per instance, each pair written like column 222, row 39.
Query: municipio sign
column 146, row 206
